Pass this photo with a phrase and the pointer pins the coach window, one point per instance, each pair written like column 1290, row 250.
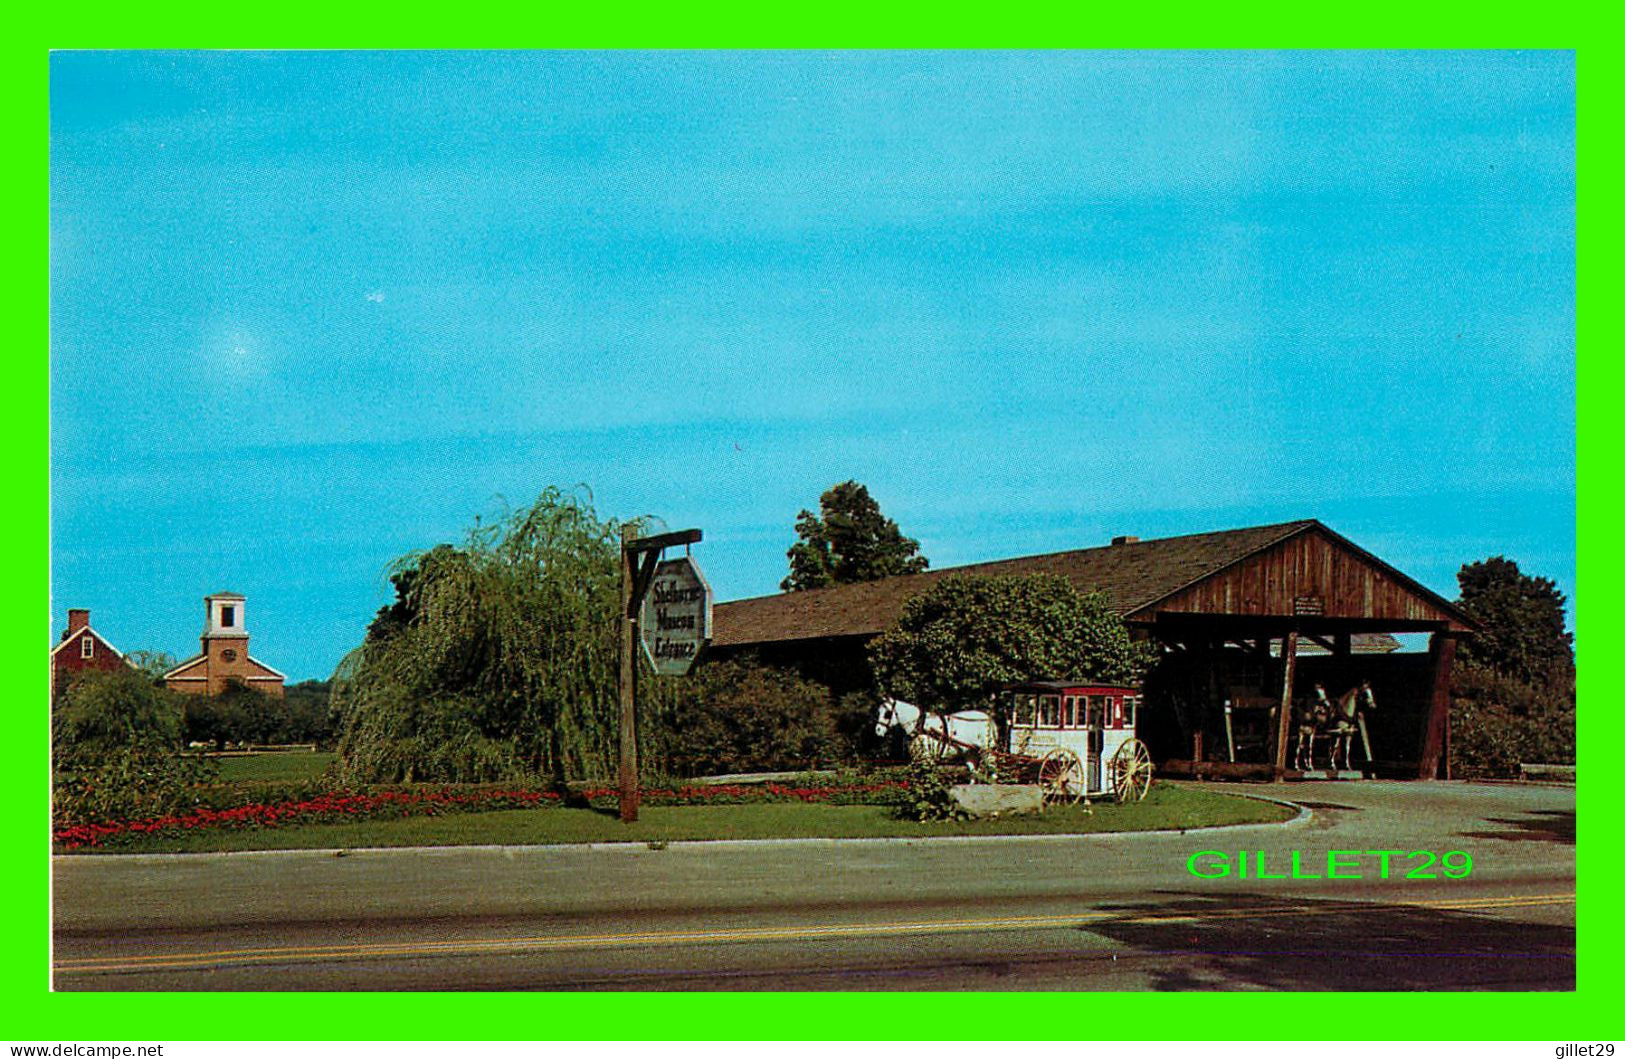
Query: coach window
column 1024, row 710
column 1069, row 715
column 1131, row 709
column 87, row 648
column 1049, row 711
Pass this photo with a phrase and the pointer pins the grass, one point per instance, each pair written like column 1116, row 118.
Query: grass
column 1167, row 807
column 282, row 767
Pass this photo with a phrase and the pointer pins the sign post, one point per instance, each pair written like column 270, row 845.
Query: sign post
column 680, row 624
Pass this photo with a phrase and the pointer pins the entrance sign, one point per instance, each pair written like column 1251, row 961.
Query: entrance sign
column 675, row 622
column 640, row 562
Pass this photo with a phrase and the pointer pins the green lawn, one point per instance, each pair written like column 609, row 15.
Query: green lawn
column 277, row 767
column 1167, row 807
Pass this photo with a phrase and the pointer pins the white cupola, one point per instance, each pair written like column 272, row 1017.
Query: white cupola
column 223, row 615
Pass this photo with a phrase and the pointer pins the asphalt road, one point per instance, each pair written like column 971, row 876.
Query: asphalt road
column 1101, row 912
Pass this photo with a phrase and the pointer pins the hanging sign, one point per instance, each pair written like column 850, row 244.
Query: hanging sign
column 675, row 622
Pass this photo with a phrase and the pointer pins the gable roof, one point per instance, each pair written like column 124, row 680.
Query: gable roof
column 188, row 664
column 1134, row 575
column 195, row 659
column 78, row 634
column 275, row 673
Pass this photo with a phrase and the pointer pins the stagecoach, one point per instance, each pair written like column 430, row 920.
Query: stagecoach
column 1079, row 731
column 1075, row 740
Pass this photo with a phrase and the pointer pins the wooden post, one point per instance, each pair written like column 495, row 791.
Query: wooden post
column 629, row 679
column 1447, row 745
column 640, row 557
column 1211, row 653
column 1283, row 722
column 1442, row 647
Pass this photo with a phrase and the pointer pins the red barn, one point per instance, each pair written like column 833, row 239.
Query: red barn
column 82, row 649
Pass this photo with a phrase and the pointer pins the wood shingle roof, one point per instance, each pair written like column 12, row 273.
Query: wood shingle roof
column 1133, row 575
column 1136, row 576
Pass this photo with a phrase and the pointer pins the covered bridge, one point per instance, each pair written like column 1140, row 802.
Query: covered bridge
column 1233, row 611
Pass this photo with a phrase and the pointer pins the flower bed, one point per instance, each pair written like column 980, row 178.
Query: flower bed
column 336, row 806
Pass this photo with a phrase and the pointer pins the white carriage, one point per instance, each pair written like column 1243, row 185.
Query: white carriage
column 1076, row 740
column 1079, row 730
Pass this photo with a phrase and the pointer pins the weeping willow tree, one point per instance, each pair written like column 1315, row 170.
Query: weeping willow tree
column 497, row 660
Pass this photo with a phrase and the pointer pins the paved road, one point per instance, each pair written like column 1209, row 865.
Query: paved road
column 1101, row 912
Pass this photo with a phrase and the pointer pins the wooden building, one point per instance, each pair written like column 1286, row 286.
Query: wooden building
column 1230, row 610
column 81, row 650
column 224, row 658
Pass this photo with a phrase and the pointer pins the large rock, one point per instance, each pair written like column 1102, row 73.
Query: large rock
column 998, row 799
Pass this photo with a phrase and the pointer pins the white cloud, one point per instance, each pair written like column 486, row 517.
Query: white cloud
column 376, row 297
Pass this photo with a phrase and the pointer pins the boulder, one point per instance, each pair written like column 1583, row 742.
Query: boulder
column 998, row 799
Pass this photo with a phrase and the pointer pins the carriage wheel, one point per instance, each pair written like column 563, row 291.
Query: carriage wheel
column 1131, row 771
column 1061, row 777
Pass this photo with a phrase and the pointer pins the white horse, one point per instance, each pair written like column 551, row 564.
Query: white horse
column 932, row 735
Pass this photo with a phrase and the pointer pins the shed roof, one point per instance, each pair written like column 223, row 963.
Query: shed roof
column 1134, row 575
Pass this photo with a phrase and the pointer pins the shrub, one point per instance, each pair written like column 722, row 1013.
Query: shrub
column 928, row 796
column 1498, row 721
column 115, row 751
column 742, row 716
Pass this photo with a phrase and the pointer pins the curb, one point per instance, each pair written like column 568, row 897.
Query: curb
column 644, row 846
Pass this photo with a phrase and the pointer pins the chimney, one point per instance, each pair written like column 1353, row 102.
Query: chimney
column 1124, row 540
column 78, row 620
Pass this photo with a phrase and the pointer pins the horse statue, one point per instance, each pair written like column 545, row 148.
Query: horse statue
column 931, row 735
column 1347, row 717
column 1311, row 717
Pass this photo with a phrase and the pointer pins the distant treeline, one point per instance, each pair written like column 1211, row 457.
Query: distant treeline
column 243, row 715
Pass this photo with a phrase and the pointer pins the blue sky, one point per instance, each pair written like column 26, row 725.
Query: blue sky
column 312, row 311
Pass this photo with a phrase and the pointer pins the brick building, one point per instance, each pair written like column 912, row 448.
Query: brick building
column 81, row 650
column 225, row 656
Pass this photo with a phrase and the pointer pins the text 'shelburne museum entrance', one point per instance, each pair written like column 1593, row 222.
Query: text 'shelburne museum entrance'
column 1249, row 619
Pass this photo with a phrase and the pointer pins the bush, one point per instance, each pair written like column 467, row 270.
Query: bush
column 929, row 795
column 105, row 712
column 1498, row 721
column 134, row 783
column 115, row 751
column 742, row 716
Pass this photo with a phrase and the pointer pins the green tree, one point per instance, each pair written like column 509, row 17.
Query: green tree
column 407, row 580
column 220, row 719
column 1512, row 692
column 152, row 664
column 501, row 662
column 848, row 541
column 1522, row 634
column 956, row 643
column 303, row 714
column 104, row 713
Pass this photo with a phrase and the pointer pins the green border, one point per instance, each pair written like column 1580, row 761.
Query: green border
column 36, row 1014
